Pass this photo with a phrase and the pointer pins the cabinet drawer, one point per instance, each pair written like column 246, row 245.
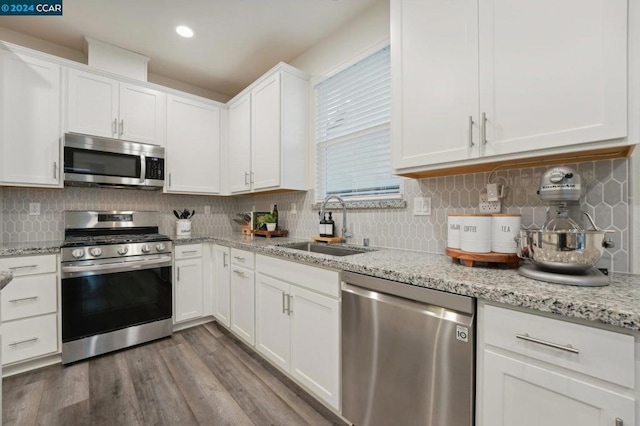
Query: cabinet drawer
column 29, row 296
column 29, row 265
column 29, row 338
column 599, row 353
column 242, row 258
column 188, row 251
column 317, row 279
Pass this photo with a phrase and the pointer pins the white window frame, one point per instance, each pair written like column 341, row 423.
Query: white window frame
column 361, row 201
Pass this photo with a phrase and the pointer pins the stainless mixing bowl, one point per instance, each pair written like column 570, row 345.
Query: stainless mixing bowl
column 564, row 252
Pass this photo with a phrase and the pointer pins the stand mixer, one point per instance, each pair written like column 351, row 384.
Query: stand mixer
column 562, row 252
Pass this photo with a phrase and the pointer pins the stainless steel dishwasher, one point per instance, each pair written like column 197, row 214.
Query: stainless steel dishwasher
column 407, row 354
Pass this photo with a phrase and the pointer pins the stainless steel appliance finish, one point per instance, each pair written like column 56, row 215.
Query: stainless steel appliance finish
column 563, row 251
column 116, row 282
column 332, row 249
column 407, row 354
column 566, row 252
column 99, row 344
column 97, row 161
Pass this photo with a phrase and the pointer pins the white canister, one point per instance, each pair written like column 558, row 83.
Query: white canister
column 454, row 223
column 504, row 230
column 183, row 227
column 475, row 235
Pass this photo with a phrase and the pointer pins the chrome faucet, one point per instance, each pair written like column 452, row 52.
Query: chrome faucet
column 345, row 234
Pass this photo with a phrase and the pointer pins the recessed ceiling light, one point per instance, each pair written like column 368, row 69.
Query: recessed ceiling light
column 184, row 31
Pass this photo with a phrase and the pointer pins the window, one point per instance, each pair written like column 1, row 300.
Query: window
column 353, row 135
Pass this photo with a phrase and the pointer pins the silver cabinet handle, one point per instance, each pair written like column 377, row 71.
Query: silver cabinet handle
column 23, row 299
column 169, row 179
column 246, row 178
column 290, row 299
column 55, row 170
column 239, row 272
column 619, row 421
column 284, row 310
column 241, row 259
column 178, row 273
column 484, row 128
column 13, row 268
column 471, row 144
column 121, row 132
column 252, row 175
column 33, row 339
column 567, row 348
column 189, row 251
column 114, row 126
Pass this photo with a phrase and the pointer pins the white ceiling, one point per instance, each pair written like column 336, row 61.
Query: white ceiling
column 236, row 41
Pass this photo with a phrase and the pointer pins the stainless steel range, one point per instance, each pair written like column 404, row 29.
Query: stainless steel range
column 116, row 282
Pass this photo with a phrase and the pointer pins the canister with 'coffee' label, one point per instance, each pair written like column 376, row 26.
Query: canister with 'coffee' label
column 475, row 235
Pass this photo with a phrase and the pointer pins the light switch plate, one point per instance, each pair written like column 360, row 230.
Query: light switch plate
column 422, row 206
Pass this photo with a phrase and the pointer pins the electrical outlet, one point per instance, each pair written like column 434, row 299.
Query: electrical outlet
column 492, row 192
column 207, row 209
column 487, row 206
column 422, row 206
column 294, row 208
column 34, row 209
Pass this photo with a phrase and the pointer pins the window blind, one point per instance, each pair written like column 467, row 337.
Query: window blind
column 353, row 138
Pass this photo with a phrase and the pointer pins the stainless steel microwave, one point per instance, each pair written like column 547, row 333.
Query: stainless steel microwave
column 98, row 161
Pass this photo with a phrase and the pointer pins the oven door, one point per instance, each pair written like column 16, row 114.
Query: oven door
column 103, row 296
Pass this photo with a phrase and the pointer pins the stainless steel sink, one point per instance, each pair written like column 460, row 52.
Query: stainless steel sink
column 325, row 249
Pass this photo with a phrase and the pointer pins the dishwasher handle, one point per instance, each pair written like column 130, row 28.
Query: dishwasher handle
column 432, row 310
column 450, row 301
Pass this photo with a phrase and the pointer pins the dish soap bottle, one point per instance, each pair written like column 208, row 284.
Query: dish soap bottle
column 323, row 225
column 330, row 226
column 275, row 214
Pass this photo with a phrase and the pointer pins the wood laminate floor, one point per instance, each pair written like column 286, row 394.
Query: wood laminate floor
column 200, row 376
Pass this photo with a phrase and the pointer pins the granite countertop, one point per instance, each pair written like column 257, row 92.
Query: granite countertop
column 5, row 278
column 617, row 304
column 31, row 247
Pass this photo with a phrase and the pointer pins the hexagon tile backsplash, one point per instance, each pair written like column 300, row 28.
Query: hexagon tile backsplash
column 606, row 197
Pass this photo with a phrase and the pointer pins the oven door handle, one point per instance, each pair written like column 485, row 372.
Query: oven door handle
column 94, row 269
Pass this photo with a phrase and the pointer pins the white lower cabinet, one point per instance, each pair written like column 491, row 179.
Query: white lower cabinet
column 29, row 308
column 523, row 394
column 243, row 295
column 298, row 324
column 188, row 283
column 222, row 285
column 535, row 370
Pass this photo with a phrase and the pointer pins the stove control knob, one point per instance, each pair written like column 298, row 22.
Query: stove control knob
column 96, row 252
column 77, row 253
column 146, row 248
column 161, row 247
column 123, row 250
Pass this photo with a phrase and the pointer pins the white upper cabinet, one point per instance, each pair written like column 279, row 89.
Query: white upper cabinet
column 546, row 78
column 550, row 76
column 268, row 133
column 434, row 63
column 102, row 106
column 193, row 146
column 142, row 114
column 266, row 120
column 30, row 131
column 239, row 118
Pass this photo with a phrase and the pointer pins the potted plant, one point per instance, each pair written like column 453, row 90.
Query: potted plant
column 266, row 220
